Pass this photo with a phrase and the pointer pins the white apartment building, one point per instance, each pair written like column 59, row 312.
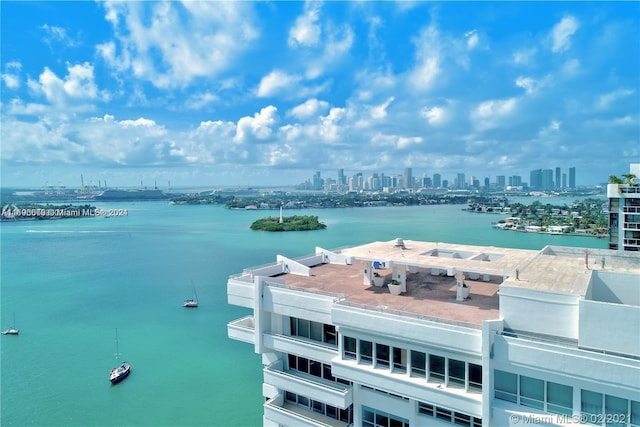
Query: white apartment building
column 624, row 213
column 476, row 336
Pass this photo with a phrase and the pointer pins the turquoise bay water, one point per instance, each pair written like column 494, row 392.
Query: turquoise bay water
column 72, row 282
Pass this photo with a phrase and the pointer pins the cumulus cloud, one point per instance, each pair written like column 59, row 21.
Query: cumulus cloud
column 310, row 108
column 561, row 34
column 78, row 85
column 205, row 38
column 306, row 31
column 435, row 115
column 257, row 127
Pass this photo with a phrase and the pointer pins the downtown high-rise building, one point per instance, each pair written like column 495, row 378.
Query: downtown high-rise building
column 572, row 177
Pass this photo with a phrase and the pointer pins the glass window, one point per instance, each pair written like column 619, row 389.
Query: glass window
column 461, row 419
column 303, row 365
column 332, row 411
column 326, row 372
column 382, row 419
column 330, row 334
column 293, row 322
column 366, row 352
column 418, row 363
column 436, row 368
column 506, row 386
column 293, row 362
column 316, row 332
column 531, row 392
column 399, row 360
column 382, row 356
column 368, row 418
column 303, row 328
column 591, row 405
column 559, row 398
column 456, row 373
column 315, row 368
column 290, row 397
column 349, row 347
column 475, row 377
column 426, row 409
column 616, row 409
column 303, row 401
column 443, row 414
column 317, row 407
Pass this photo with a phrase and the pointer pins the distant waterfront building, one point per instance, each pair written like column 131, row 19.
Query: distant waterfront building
column 558, row 175
column 547, row 180
column 572, row 177
column 624, row 213
column 437, row 180
column 341, row 178
column 469, row 336
column 445, row 183
column 408, row 177
column 318, row 183
column 515, row 181
column 564, row 180
column 460, row 183
column 535, row 179
column 500, row 182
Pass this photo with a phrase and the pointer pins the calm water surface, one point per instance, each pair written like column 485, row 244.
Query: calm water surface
column 72, row 282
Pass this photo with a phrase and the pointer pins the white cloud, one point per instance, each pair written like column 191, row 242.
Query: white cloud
column 205, row 38
column 490, row 113
column 78, row 85
column 379, row 112
column 258, row 126
column 524, row 56
column 571, row 67
column 306, row 30
column 405, row 142
column 329, row 128
column 276, row 82
column 562, row 32
column 56, row 34
column 606, row 100
column 310, row 108
column 434, row 115
column 427, row 67
column 472, row 39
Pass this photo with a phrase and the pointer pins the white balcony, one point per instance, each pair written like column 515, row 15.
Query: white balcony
column 307, row 348
column 242, row 329
column 291, row 415
column 332, row 393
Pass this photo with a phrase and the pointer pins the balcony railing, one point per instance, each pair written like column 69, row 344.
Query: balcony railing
column 294, row 416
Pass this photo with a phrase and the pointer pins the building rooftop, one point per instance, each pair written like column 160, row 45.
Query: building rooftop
column 430, row 276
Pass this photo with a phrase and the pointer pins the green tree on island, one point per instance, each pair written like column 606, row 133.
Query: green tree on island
column 291, row 223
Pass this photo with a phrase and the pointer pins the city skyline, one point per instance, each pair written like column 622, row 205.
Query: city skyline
column 255, row 93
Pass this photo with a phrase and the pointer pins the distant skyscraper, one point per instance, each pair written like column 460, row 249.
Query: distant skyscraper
column 572, row 177
column 341, row 177
column 487, row 186
column 408, row 177
column 445, row 183
column 535, row 179
column 437, row 180
column 547, row 179
column 460, row 183
column 557, row 183
column 564, row 180
column 500, row 181
column 317, row 181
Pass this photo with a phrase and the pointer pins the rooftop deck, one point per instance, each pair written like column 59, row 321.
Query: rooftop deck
column 427, row 295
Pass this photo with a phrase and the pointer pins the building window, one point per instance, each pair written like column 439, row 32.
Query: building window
column 376, row 418
column 531, row 392
column 382, row 356
column 458, row 418
column 475, row 377
column 591, row 405
column 635, row 413
column 506, row 386
column 349, row 349
column 616, row 410
column 314, row 368
column 344, row 415
column 456, row 373
column 418, row 364
column 559, row 398
column 366, row 352
column 436, row 368
column 399, row 360
column 315, row 331
column 330, row 334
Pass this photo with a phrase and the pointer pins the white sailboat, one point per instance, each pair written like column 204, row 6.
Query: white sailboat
column 191, row 302
column 12, row 330
column 121, row 372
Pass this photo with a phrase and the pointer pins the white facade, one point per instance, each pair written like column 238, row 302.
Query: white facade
column 479, row 336
column 624, row 213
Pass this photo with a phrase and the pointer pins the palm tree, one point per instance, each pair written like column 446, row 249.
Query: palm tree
column 628, row 178
column 615, row 180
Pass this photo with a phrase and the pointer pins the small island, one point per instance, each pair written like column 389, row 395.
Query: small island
column 291, row 223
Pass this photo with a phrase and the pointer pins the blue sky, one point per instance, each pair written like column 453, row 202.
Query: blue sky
column 267, row 93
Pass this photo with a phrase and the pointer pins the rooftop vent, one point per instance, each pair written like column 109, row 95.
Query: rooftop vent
column 399, row 243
